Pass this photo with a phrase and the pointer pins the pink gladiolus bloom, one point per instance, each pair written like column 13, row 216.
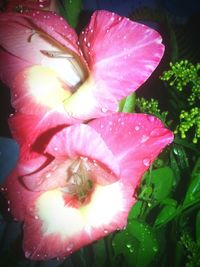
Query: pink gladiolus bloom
column 83, row 187
column 53, row 72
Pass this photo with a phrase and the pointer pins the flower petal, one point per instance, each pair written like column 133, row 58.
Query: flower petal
column 10, row 66
column 26, row 35
column 82, row 140
column 21, row 200
column 121, row 55
column 58, row 229
column 34, row 132
column 135, row 140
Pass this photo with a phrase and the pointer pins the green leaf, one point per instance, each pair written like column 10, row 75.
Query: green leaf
column 175, row 167
column 70, row 10
column 127, row 104
column 168, row 212
column 137, row 243
column 198, row 229
column 136, row 210
column 99, row 253
column 162, row 180
column 193, row 192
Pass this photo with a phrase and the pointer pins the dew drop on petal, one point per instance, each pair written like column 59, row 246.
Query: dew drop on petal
column 155, row 132
column 137, row 128
column 70, row 247
column 144, row 138
column 55, row 148
column 36, row 217
column 104, row 110
column 151, row 118
column 146, row 162
column 105, row 231
column 27, row 254
column 48, row 175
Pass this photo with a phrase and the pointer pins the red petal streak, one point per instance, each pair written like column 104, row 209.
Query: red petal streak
column 121, row 54
column 135, row 140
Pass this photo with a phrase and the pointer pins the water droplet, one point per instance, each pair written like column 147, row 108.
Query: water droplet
column 128, row 245
column 48, row 175
column 105, row 231
column 101, row 126
column 151, row 118
column 155, row 249
column 70, row 247
column 104, row 110
column 88, row 44
column 27, row 254
column 144, row 138
column 137, row 128
column 155, row 132
column 175, row 151
column 55, row 148
column 36, row 217
column 146, row 162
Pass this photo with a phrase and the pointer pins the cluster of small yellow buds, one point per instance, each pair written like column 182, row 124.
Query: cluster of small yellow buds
column 182, row 75
column 184, row 78
column 150, row 107
column 188, row 120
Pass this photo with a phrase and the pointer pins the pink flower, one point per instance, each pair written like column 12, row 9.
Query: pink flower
column 83, row 187
column 54, row 73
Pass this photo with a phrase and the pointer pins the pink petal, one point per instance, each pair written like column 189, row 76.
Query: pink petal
column 56, row 27
column 135, row 140
column 49, row 177
column 21, row 201
column 26, row 35
column 121, row 55
column 10, row 66
column 34, row 132
column 40, row 245
column 81, row 140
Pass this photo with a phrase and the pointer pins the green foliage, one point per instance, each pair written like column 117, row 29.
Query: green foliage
column 182, row 75
column 127, row 104
column 70, row 10
column 184, row 79
column 192, row 249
